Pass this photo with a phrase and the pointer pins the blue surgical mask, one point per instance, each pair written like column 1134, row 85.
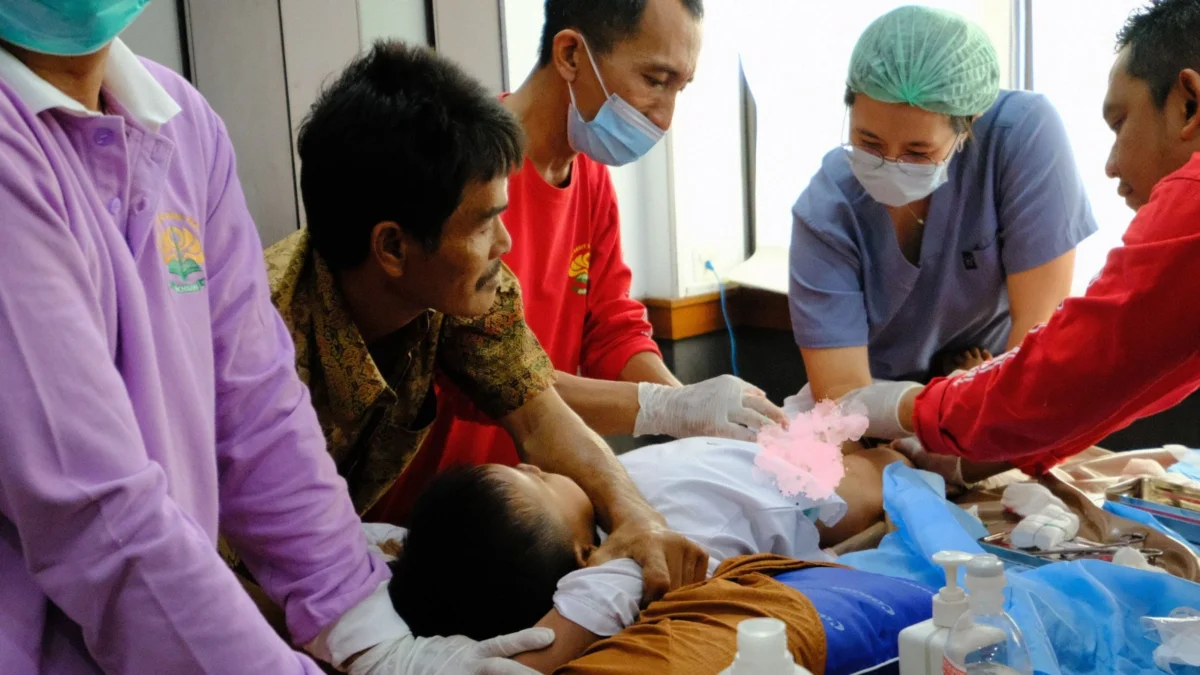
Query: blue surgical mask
column 618, row 135
column 66, row 27
column 895, row 185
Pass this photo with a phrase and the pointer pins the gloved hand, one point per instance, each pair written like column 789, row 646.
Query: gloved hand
column 800, row 402
column 444, row 655
column 881, row 401
column 371, row 639
column 724, row 406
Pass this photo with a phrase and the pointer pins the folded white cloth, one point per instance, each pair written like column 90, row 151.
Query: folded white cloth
column 1131, row 557
column 1047, row 529
column 1026, row 499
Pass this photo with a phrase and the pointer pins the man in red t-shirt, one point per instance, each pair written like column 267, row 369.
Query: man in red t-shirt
column 603, row 93
column 1130, row 347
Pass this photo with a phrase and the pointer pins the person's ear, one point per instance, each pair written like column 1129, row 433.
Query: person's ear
column 567, row 54
column 583, row 553
column 1189, row 84
column 390, row 248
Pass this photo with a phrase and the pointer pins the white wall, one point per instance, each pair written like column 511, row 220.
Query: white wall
column 239, row 67
column 305, row 23
column 155, row 35
column 647, row 234
column 469, row 32
column 523, row 20
column 261, row 66
column 1074, row 75
column 708, row 168
column 392, row 19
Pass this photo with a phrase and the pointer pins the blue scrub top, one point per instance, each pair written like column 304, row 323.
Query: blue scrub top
column 1013, row 201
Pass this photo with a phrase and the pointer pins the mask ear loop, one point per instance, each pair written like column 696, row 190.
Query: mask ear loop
column 595, row 68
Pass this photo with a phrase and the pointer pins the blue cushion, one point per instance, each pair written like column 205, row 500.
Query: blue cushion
column 863, row 615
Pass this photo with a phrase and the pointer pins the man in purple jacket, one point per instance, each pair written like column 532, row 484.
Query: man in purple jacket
column 148, row 391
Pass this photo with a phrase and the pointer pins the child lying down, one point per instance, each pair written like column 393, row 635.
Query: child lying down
column 510, row 537
column 839, row 621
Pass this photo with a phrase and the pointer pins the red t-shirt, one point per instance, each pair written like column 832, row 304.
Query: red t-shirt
column 575, row 284
column 1128, row 349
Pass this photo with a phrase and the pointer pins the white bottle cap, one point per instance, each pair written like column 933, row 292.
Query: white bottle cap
column 985, row 578
column 762, row 648
column 950, row 601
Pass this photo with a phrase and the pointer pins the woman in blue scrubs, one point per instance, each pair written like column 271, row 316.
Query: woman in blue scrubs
column 947, row 226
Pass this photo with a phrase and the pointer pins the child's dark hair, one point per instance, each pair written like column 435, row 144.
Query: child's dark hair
column 477, row 562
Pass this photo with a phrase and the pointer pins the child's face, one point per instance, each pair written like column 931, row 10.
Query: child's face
column 555, row 495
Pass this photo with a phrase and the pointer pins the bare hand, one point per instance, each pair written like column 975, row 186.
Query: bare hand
column 948, row 467
column 668, row 559
column 972, row 358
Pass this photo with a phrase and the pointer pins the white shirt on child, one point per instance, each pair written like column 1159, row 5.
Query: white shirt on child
column 709, row 491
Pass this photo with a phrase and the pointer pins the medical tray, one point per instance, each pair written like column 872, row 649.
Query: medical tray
column 1176, row 506
column 999, row 545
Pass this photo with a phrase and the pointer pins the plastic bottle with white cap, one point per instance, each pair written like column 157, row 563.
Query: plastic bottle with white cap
column 985, row 640
column 922, row 646
column 762, row 650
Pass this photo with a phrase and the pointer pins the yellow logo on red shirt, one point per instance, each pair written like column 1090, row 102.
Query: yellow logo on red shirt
column 581, row 258
column 181, row 249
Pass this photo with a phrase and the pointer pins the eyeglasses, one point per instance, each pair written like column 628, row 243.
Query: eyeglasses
column 873, row 159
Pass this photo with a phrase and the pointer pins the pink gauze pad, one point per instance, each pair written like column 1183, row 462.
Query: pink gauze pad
column 806, row 458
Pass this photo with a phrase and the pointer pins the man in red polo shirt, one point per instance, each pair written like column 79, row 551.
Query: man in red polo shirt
column 1130, row 347
column 603, row 94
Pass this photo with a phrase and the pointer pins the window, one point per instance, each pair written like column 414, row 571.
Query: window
column 1074, row 75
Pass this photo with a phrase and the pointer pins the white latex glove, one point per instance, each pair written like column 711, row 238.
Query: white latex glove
column 384, row 645
column 800, row 402
column 724, row 406
column 881, row 400
column 457, row 655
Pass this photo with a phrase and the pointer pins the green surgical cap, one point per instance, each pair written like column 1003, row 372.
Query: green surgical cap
column 928, row 58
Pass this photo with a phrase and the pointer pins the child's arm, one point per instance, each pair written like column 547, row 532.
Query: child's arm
column 570, row 641
column 590, row 604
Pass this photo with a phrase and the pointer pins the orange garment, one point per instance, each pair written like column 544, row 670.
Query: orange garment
column 693, row 630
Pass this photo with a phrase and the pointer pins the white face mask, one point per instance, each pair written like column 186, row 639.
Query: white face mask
column 895, row 184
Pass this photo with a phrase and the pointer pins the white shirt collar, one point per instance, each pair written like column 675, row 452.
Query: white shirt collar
column 125, row 77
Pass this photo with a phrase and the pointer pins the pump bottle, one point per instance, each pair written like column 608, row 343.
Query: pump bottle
column 922, row 646
column 985, row 640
